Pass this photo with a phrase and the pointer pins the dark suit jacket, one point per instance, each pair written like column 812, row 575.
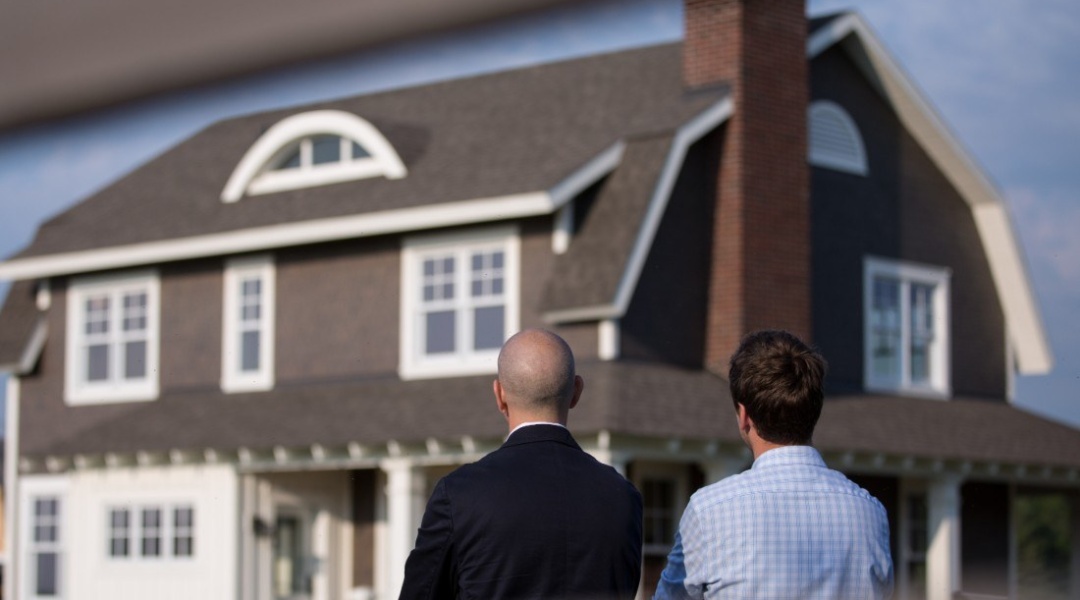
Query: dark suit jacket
column 537, row 518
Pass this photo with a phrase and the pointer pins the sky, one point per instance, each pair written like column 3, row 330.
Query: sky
column 1000, row 72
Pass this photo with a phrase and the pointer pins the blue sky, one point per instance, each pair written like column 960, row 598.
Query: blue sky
column 1001, row 73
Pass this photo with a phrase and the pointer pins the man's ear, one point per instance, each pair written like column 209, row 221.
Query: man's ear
column 500, row 399
column 745, row 422
column 579, row 386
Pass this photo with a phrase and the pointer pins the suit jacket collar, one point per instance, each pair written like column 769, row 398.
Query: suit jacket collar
column 541, row 433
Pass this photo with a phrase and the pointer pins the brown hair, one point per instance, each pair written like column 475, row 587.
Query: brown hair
column 778, row 378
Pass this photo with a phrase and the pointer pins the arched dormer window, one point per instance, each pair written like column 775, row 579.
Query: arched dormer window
column 834, row 141
column 310, row 149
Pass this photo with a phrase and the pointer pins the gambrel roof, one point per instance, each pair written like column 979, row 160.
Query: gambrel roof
column 511, row 144
column 1025, row 329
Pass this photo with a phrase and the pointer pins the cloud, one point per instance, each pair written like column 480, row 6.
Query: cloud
column 1048, row 221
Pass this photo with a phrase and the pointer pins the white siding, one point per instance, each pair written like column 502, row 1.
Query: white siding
column 88, row 571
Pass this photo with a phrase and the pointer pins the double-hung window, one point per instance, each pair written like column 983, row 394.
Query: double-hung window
column 460, row 301
column 906, row 327
column 45, row 545
column 248, row 345
column 112, row 339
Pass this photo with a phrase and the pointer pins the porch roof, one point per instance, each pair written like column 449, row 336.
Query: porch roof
column 624, row 400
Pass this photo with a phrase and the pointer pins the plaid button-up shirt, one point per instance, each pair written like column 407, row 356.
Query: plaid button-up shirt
column 789, row 528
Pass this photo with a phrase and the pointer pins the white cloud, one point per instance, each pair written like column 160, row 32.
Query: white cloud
column 1048, row 221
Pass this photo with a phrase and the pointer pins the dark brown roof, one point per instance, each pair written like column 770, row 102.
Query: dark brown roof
column 18, row 319
column 511, row 132
column 633, row 398
column 98, row 52
column 622, row 397
column 590, row 270
column 958, row 429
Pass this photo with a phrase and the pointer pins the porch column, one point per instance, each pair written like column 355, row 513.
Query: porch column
column 943, row 530
column 405, row 503
column 724, row 466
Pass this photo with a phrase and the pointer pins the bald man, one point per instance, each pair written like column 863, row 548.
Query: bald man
column 537, row 518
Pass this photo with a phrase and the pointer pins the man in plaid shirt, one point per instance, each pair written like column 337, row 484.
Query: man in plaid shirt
column 789, row 528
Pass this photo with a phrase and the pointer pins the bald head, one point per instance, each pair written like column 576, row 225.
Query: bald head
column 536, row 371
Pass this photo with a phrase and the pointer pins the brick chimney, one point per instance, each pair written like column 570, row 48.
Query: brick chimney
column 761, row 238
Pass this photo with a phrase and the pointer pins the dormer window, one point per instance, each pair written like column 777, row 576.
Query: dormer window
column 834, row 139
column 312, row 149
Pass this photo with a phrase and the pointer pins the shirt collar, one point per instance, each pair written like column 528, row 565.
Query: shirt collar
column 789, row 455
column 531, row 423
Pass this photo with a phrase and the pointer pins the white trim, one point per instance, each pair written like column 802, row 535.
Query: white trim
column 251, row 176
column 12, row 523
column 419, row 218
column 563, row 230
column 113, row 389
column 413, row 365
column 1022, row 318
column 590, row 173
column 608, row 333
column 940, row 364
column 232, row 378
column 43, row 298
column 686, row 135
column 823, row 113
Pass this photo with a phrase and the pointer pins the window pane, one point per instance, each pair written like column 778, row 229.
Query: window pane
column 97, row 363
column 44, row 533
column 182, row 546
column 326, row 149
column 440, row 332
column 249, row 352
column 45, row 507
column 97, row 315
column 183, row 517
column 358, row 151
column 489, row 327
column 292, row 159
column 134, row 312
column 135, row 360
column 47, row 567
column 885, row 328
column 119, row 518
column 922, row 331
column 151, row 517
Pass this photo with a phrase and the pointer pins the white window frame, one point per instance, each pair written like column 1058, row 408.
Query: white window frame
column 678, row 474
column 257, row 173
column 166, row 532
column 413, row 363
column 77, row 389
column 818, row 156
column 32, row 489
column 233, row 379
column 907, row 273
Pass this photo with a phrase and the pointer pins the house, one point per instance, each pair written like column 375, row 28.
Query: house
column 238, row 371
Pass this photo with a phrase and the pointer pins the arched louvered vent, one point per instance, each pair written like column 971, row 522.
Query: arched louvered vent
column 835, row 142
